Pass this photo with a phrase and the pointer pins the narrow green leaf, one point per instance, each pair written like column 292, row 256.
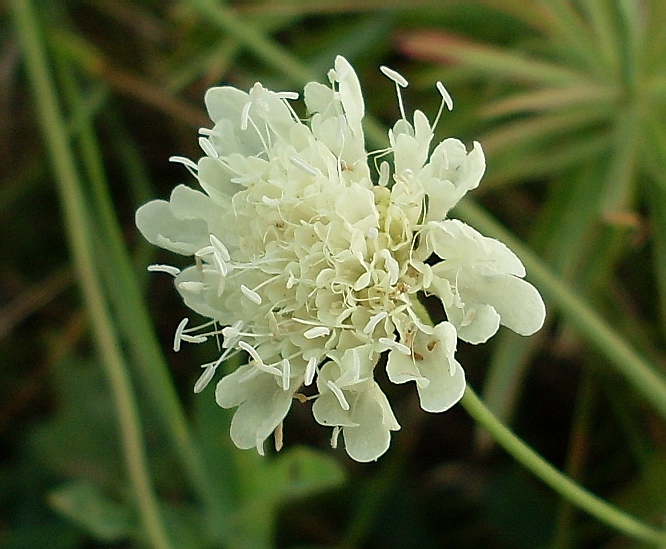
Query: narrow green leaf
column 542, row 127
column 512, row 166
column 600, row 15
column 573, row 37
column 551, row 98
column 620, row 180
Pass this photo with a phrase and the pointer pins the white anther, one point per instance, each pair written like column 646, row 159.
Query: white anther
column 384, row 171
column 192, row 286
column 177, row 337
column 207, row 147
column 194, row 338
column 230, row 332
column 258, row 361
column 220, row 248
column 372, row 323
column 392, row 266
column 317, row 331
column 338, row 394
column 395, row 76
column 395, row 345
column 446, row 96
column 310, row 371
column 291, row 281
column 187, row 162
column 205, row 377
column 304, row 166
column 251, row 294
column 334, row 436
column 168, row 269
column 245, row 115
column 270, row 201
column 287, row 95
column 286, row 374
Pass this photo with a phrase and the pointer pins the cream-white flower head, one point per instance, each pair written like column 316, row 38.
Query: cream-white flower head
column 311, row 263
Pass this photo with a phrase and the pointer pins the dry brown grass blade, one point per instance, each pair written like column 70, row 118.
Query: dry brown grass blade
column 446, row 48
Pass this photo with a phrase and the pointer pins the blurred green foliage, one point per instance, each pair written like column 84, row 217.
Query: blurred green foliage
column 568, row 99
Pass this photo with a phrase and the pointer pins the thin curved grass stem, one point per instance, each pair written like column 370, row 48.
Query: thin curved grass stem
column 78, row 231
column 563, row 485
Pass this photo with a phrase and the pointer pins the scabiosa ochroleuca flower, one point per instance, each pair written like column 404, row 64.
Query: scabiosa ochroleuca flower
column 311, row 262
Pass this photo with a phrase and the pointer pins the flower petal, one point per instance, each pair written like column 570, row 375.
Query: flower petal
column 350, row 94
column 461, row 246
column 517, row 302
column 372, row 437
column 160, row 226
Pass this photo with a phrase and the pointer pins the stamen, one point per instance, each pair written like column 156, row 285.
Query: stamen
column 210, row 132
column 372, row 323
column 317, row 331
column 310, row 371
column 251, row 294
column 187, row 162
column 207, row 147
column 205, row 377
column 338, row 394
column 395, row 76
column 287, row 95
column 193, row 338
column 392, row 266
column 286, row 374
column 177, row 337
column 245, row 115
column 230, row 332
column 395, row 345
column 334, row 436
column 446, row 96
column 258, row 361
column 220, row 248
column 270, row 201
column 168, row 269
column 384, row 171
column 304, row 166
column 400, row 82
column 446, row 99
column 279, row 437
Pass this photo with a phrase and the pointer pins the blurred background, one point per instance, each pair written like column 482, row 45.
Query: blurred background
column 98, row 423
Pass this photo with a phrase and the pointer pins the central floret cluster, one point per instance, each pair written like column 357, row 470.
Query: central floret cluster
column 314, row 271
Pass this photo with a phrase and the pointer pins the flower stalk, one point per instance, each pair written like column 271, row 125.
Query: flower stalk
column 563, row 485
column 77, row 225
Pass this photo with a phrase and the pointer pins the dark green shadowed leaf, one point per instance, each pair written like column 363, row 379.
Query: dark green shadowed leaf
column 251, row 488
column 85, row 504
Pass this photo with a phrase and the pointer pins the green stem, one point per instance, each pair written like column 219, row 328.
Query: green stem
column 559, row 482
column 131, row 312
column 621, row 355
column 78, row 230
column 255, row 40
